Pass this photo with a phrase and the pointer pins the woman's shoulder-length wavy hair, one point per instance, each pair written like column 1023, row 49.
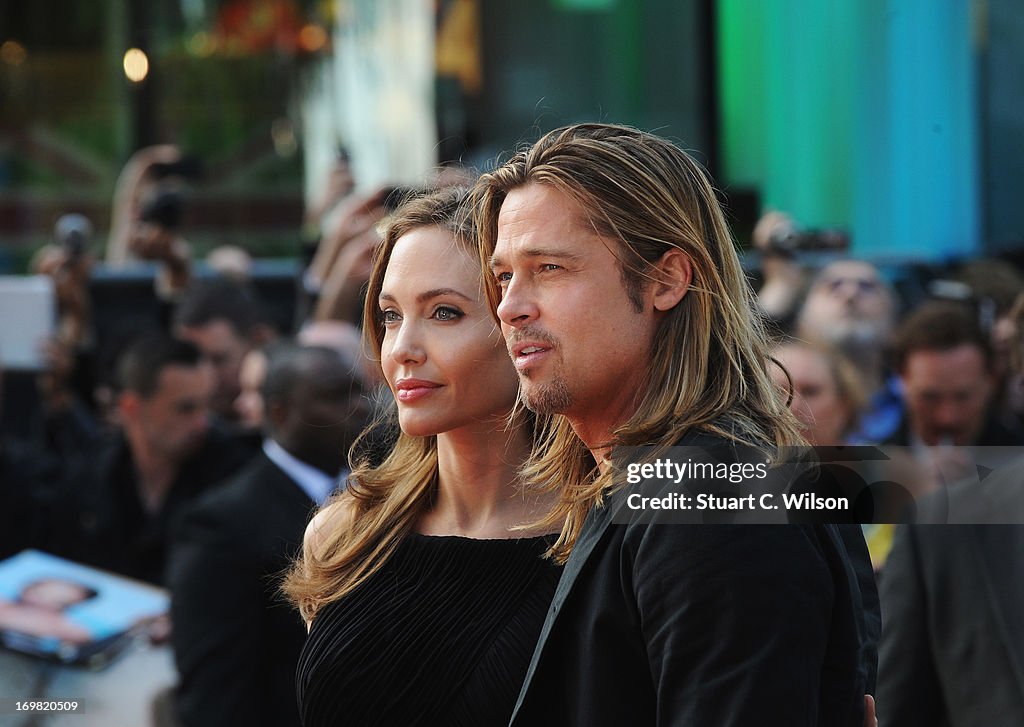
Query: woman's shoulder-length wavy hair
column 708, row 366
column 387, row 491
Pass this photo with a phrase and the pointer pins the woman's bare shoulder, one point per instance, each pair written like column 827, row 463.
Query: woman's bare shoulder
column 336, row 515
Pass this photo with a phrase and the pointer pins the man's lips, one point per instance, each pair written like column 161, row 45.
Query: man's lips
column 411, row 389
column 527, row 353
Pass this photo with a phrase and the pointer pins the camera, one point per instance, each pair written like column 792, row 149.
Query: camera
column 825, row 239
column 73, row 232
column 188, row 167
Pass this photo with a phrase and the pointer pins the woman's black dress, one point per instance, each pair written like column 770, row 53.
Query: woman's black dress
column 442, row 634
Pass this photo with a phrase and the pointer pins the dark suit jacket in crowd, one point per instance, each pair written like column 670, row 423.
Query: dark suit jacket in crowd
column 953, row 598
column 236, row 641
column 696, row 625
column 101, row 520
column 29, row 485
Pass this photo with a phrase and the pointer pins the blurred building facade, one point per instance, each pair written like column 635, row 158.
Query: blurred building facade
column 901, row 122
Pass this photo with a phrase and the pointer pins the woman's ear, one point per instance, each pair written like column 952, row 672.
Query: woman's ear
column 675, row 274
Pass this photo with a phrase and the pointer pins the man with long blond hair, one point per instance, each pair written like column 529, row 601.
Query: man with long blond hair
column 628, row 317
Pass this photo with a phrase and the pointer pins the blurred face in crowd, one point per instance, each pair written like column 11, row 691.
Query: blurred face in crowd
column 173, row 421
column 320, row 421
column 224, row 348
column 577, row 340
column 847, row 306
column 442, row 354
column 947, row 394
column 816, row 398
column 249, row 403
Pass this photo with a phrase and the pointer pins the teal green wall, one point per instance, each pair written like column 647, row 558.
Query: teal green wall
column 856, row 113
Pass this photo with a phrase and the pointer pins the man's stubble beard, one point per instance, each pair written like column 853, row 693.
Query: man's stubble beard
column 553, row 397
column 859, row 333
column 857, row 340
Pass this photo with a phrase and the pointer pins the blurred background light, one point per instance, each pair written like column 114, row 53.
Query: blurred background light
column 312, row 38
column 136, row 65
column 13, row 53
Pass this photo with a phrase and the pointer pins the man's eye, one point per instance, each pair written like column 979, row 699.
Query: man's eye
column 389, row 316
column 444, row 313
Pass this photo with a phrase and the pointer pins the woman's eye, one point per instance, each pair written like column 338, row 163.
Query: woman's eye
column 502, row 278
column 550, row 266
column 389, row 316
column 445, row 313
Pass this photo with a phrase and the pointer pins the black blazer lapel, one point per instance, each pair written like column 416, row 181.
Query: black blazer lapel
column 594, row 528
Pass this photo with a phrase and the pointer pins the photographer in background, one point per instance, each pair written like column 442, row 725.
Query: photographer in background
column 61, row 416
column 147, row 169
column 778, row 239
column 340, row 266
column 68, row 260
column 156, row 236
column 147, row 212
column 846, row 305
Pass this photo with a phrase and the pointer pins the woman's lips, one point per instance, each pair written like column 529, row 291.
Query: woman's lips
column 407, row 390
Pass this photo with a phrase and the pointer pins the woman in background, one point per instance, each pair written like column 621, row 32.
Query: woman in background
column 827, row 395
column 423, row 598
column 828, row 398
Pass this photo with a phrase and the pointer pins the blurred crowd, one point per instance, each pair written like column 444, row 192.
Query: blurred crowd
column 145, row 447
column 937, row 372
column 937, row 365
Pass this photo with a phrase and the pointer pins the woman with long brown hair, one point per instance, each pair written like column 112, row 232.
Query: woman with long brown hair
column 423, row 593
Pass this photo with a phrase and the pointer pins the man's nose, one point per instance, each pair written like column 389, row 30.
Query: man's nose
column 518, row 304
column 848, row 290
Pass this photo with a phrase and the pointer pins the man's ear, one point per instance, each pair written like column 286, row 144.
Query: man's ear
column 277, row 414
column 675, row 273
column 128, row 403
